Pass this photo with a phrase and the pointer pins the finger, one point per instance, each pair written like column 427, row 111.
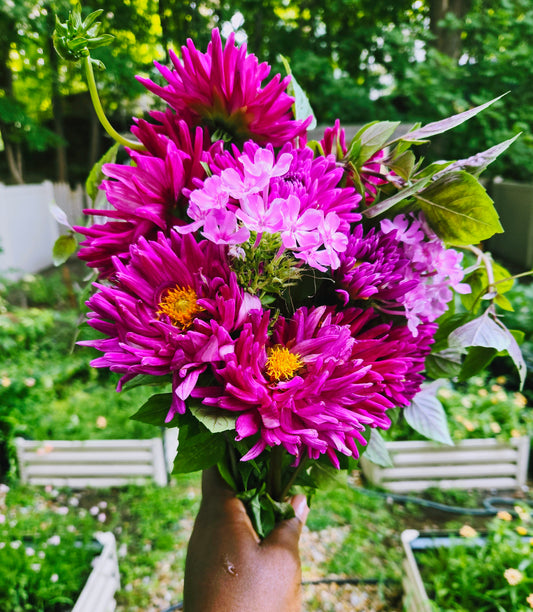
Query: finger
column 287, row 533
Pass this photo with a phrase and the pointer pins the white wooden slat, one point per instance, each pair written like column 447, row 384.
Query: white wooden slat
column 457, row 455
column 98, row 594
column 84, row 444
column 90, row 469
column 407, row 486
column 86, row 482
column 109, row 456
column 448, row 471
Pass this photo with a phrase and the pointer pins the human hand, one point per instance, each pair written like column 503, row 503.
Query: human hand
column 229, row 568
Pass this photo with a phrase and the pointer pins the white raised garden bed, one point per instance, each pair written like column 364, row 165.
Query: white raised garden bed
column 415, row 596
column 96, row 463
column 98, row 594
column 470, row 464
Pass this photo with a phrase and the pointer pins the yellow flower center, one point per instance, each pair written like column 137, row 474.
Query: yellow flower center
column 180, row 306
column 282, row 364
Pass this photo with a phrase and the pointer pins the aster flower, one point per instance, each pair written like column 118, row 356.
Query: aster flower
column 315, row 384
column 171, row 310
column 371, row 174
column 403, row 267
column 291, row 194
column 147, row 196
column 222, row 89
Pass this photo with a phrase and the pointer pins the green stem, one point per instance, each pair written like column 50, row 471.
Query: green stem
column 293, row 478
column 132, row 144
column 274, row 474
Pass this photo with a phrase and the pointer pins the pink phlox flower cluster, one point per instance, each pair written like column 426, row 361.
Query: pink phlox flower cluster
column 436, row 269
column 292, row 195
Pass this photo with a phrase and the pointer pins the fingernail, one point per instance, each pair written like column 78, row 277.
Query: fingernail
column 301, row 509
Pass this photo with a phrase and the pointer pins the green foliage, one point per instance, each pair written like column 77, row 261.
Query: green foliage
column 486, row 574
column 479, row 408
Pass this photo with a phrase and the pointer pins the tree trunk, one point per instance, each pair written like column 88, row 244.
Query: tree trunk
column 447, row 40
column 57, row 108
column 14, row 161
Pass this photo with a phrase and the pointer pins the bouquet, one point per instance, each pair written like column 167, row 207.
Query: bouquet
column 285, row 295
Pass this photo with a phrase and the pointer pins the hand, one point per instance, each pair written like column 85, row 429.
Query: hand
column 229, row 568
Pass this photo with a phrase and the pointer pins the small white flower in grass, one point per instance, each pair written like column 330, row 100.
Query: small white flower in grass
column 513, row 576
column 15, row 544
column 102, row 505
column 30, row 551
column 41, row 554
column 102, row 517
column 82, row 513
column 2, row 545
column 94, row 510
column 54, row 578
column 74, row 501
column 35, row 567
column 54, row 540
column 71, row 528
column 62, row 510
column 2, row 519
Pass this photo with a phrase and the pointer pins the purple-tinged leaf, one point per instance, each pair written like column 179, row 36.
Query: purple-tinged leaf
column 438, row 127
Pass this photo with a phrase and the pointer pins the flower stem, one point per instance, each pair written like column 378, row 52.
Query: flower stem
column 274, row 486
column 293, row 478
column 89, row 73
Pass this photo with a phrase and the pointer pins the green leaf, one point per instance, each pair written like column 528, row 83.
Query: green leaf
column 369, row 140
column 198, row 448
column 403, row 194
column 438, row 127
column 404, row 164
column 64, row 246
column 514, row 352
column 478, row 162
column 96, row 175
column 476, row 360
column 426, row 415
column 443, row 364
column 459, row 210
column 479, row 283
column 146, row 380
column 376, row 450
column 215, row 419
column 326, row 476
column 301, row 107
column 154, row 411
column 482, row 331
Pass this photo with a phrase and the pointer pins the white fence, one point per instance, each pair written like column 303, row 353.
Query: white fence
column 28, row 230
column 96, row 463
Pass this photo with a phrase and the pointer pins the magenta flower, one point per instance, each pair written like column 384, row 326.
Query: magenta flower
column 317, row 382
column 371, row 174
column 403, row 268
column 291, row 194
column 223, row 90
column 171, row 310
column 146, row 197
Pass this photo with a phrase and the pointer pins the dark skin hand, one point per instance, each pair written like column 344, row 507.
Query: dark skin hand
column 229, row 568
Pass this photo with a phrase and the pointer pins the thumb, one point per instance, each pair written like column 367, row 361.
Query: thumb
column 287, row 533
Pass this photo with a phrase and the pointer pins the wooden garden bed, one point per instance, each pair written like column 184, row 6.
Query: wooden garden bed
column 98, row 594
column 470, row 464
column 96, row 463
